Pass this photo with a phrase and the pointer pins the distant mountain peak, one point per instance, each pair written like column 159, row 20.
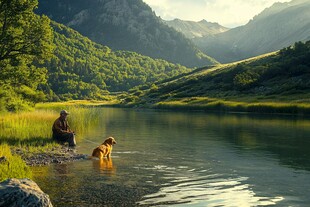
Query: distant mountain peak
column 203, row 20
column 192, row 29
column 278, row 7
column 278, row 26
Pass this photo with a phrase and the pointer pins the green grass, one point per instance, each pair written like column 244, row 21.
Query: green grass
column 35, row 125
column 13, row 166
column 213, row 104
column 77, row 103
column 35, row 128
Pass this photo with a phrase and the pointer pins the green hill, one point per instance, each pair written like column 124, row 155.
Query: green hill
column 82, row 69
column 279, row 77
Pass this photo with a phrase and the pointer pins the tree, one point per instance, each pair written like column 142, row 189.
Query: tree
column 26, row 41
column 22, row 32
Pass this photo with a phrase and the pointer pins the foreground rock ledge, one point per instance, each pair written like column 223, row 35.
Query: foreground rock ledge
column 22, row 192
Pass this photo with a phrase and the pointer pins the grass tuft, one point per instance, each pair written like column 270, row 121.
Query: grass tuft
column 12, row 166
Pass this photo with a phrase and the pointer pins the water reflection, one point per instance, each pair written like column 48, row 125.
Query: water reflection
column 104, row 166
column 187, row 159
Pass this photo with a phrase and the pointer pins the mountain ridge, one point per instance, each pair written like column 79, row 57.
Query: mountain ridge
column 192, row 29
column 267, row 32
column 128, row 25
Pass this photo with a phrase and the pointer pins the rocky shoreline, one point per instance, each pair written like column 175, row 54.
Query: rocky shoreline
column 25, row 192
column 58, row 155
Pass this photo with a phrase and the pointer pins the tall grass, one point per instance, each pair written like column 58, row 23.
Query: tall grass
column 81, row 120
column 12, row 166
column 212, row 104
column 35, row 128
column 26, row 126
column 77, row 103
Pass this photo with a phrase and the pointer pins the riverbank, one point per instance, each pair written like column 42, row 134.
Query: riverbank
column 15, row 161
column 270, row 105
column 58, row 154
column 217, row 105
column 25, row 138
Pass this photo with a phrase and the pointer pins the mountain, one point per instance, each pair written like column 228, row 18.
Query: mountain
column 82, row 69
column 281, row 76
column 193, row 29
column 128, row 25
column 276, row 27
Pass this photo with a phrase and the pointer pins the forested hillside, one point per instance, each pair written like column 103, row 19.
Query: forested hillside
column 276, row 77
column 125, row 25
column 82, row 69
column 46, row 61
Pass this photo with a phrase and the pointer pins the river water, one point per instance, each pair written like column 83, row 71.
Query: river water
column 165, row 158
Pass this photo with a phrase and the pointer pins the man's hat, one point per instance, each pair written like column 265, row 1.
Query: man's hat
column 64, row 112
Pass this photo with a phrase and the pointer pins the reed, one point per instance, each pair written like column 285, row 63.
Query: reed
column 12, row 166
column 82, row 119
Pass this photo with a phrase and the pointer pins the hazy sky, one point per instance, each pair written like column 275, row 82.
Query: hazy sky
column 229, row 13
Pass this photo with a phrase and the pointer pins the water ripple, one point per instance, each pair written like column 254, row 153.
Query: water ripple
column 196, row 187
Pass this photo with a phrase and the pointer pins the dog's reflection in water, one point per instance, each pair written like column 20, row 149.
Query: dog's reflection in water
column 104, row 166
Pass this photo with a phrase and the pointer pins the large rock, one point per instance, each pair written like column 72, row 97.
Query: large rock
column 22, row 192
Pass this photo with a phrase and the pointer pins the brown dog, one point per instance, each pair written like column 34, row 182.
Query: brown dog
column 105, row 149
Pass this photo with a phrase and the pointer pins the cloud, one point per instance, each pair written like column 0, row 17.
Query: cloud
column 229, row 13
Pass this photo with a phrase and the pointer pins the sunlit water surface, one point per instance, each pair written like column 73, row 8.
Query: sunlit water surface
column 187, row 159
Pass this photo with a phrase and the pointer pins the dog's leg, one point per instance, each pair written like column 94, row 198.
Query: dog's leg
column 101, row 156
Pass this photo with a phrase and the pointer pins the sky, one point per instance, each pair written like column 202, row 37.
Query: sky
column 229, row 13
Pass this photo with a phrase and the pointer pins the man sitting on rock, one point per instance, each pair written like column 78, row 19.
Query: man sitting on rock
column 61, row 130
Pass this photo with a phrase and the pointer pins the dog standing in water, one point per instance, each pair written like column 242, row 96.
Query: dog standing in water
column 105, row 149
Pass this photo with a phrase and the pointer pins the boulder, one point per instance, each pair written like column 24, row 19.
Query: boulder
column 22, row 192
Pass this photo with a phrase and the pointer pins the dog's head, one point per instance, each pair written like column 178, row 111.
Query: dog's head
column 109, row 141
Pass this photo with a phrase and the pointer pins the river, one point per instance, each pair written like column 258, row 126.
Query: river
column 170, row 158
